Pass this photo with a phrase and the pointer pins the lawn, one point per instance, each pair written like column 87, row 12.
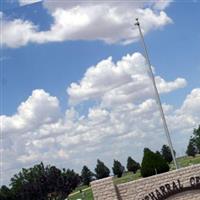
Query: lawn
column 182, row 161
column 127, row 177
column 187, row 161
column 86, row 194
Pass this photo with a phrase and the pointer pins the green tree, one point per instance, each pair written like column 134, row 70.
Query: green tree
column 196, row 138
column 117, row 168
column 86, row 175
column 101, row 170
column 41, row 183
column 132, row 165
column 166, row 153
column 153, row 163
column 6, row 193
column 191, row 149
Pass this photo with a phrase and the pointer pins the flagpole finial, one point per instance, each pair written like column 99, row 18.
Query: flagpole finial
column 137, row 22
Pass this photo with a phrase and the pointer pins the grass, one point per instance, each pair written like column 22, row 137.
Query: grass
column 187, row 161
column 87, row 195
column 127, row 177
column 83, row 187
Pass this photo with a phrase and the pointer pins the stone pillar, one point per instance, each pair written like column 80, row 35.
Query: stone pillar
column 104, row 189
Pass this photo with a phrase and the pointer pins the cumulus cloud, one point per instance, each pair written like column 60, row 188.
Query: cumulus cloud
column 165, row 87
column 191, row 104
column 40, row 108
column 188, row 114
column 162, row 4
column 118, row 132
column 128, row 80
column 27, row 2
column 38, row 132
column 17, row 32
column 78, row 21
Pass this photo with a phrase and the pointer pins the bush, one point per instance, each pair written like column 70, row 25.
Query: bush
column 153, row 163
column 101, row 170
column 118, row 168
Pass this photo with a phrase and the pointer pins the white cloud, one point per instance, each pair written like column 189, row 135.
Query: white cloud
column 191, row 104
column 156, row 4
column 162, row 4
column 16, row 33
column 39, row 109
column 188, row 115
column 27, row 2
column 123, row 82
column 37, row 132
column 165, row 87
column 121, row 131
column 105, row 21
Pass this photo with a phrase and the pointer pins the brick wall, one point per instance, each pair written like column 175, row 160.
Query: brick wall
column 185, row 182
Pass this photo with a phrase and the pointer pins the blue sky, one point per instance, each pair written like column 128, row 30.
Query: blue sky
column 52, row 64
column 174, row 51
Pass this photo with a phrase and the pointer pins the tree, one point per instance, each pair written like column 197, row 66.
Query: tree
column 191, row 149
column 118, row 168
column 196, row 138
column 132, row 165
column 101, row 170
column 6, row 193
column 153, row 163
column 86, row 175
column 40, row 182
column 166, row 153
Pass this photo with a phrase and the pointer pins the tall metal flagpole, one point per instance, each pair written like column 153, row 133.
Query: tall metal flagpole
column 157, row 94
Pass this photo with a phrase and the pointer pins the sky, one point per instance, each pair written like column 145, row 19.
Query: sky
column 75, row 86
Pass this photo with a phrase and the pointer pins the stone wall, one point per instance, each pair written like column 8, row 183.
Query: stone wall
column 186, row 195
column 182, row 184
column 104, row 189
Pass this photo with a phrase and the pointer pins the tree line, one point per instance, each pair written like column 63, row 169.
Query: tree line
column 41, row 183
column 152, row 163
column 50, row 183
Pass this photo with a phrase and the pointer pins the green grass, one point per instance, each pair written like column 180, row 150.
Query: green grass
column 187, row 161
column 87, row 193
column 127, row 177
column 80, row 188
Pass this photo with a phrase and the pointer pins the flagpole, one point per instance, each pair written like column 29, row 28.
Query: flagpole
column 157, row 95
